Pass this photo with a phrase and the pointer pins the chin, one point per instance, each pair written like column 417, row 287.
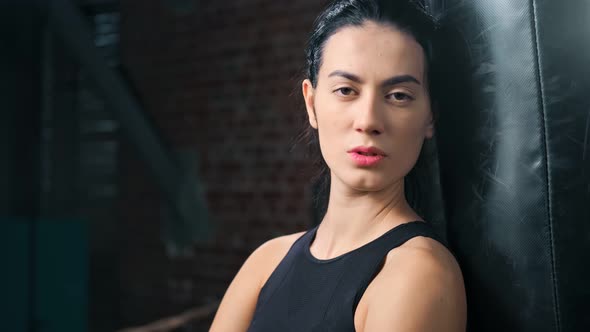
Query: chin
column 365, row 179
column 369, row 182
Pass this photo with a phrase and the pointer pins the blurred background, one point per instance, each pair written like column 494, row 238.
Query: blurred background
column 148, row 147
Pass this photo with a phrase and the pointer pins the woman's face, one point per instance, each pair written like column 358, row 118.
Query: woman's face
column 371, row 93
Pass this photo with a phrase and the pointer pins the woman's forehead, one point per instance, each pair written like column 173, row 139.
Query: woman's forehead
column 373, row 50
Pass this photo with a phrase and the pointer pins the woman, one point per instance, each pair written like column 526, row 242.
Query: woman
column 372, row 264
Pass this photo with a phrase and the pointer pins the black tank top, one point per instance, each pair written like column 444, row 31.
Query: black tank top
column 306, row 294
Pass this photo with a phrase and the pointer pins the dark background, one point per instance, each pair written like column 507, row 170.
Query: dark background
column 91, row 174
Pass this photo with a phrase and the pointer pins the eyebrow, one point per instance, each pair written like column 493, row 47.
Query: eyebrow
column 388, row 82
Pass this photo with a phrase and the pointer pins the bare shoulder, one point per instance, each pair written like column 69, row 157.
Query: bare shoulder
column 239, row 302
column 283, row 243
column 428, row 253
column 419, row 288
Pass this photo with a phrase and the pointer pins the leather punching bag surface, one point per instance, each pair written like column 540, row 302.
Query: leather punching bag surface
column 514, row 149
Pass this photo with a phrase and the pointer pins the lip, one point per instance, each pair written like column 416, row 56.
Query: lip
column 363, row 160
column 368, row 149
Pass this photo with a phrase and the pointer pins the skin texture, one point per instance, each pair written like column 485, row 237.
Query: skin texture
column 371, row 91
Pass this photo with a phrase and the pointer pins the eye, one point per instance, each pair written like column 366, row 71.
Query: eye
column 344, row 91
column 400, row 96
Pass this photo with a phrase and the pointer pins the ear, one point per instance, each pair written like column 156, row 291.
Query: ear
column 308, row 96
column 429, row 126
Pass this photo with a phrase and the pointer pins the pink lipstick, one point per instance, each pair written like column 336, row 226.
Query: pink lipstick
column 366, row 156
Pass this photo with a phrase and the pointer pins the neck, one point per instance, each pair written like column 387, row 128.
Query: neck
column 354, row 217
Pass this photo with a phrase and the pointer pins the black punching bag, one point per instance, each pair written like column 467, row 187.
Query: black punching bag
column 514, row 151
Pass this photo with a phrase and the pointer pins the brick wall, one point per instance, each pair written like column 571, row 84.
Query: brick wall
column 221, row 79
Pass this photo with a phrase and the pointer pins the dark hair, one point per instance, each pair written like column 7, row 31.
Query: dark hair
column 405, row 15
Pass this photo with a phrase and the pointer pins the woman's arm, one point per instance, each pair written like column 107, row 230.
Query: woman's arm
column 419, row 289
column 237, row 307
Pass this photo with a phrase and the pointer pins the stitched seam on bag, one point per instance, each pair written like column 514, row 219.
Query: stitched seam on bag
column 538, row 63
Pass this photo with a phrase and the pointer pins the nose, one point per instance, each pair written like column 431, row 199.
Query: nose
column 367, row 118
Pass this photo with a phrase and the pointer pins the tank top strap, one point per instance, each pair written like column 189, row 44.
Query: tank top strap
column 288, row 262
column 402, row 233
column 376, row 253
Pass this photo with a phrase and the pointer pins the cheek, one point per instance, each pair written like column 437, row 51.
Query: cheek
column 407, row 138
column 332, row 130
column 331, row 137
column 332, row 119
column 412, row 124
